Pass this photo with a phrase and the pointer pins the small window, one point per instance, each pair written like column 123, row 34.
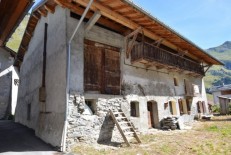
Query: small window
column 91, row 107
column 134, row 109
column 176, row 82
column 28, row 111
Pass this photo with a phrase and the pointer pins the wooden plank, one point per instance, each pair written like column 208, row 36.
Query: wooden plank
column 50, row 8
column 92, row 21
column 118, row 126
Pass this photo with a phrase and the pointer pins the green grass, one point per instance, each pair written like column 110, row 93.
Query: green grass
column 16, row 38
column 208, row 137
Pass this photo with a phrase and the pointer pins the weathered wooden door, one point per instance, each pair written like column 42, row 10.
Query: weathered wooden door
column 150, row 115
column 112, row 72
column 101, row 68
column 92, row 67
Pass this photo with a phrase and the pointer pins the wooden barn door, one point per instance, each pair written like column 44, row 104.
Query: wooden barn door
column 92, row 67
column 112, row 72
column 101, row 68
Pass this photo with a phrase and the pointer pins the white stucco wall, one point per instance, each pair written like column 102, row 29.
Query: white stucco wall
column 48, row 124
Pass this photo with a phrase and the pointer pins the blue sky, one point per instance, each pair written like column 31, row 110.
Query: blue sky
column 205, row 22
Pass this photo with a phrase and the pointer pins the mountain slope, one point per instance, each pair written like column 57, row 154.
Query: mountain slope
column 218, row 75
column 16, row 38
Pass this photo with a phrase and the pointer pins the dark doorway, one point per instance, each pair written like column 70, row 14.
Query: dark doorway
column 153, row 120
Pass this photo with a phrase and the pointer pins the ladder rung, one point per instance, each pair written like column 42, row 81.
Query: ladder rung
column 128, row 133
column 127, row 127
column 125, row 122
column 115, row 113
column 120, row 117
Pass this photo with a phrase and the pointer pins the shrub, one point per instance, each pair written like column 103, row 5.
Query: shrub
column 216, row 108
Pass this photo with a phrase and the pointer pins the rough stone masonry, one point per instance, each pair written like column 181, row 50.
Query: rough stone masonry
column 97, row 128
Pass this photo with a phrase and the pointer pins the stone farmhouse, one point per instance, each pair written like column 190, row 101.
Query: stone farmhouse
column 224, row 90
column 80, row 58
column 11, row 14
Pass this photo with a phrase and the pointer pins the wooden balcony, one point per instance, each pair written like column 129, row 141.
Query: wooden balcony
column 153, row 56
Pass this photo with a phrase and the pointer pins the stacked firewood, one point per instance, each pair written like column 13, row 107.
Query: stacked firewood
column 169, row 123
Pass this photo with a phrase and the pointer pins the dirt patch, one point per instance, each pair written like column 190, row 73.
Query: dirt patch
column 206, row 137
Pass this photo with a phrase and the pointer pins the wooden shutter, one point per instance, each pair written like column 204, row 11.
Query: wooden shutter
column 112, row 72
column 92, row 67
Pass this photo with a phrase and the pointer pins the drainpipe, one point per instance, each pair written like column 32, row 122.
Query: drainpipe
column 68, row 73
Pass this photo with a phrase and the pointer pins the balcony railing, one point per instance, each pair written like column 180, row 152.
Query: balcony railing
column 146, row 52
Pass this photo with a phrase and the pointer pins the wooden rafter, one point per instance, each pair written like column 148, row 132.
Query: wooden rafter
column 42, row 12
column 50, row 8
column 103, row 20
column 109, row 13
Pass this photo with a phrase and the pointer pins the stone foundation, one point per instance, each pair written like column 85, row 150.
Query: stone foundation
column 96, row 128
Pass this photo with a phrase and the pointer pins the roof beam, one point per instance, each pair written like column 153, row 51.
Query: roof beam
column 105, row 11
column 92, row 21
column 42, row 12
column 50, row 8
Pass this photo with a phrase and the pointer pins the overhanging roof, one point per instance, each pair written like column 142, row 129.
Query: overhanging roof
column 11, row 13
column 122, row 15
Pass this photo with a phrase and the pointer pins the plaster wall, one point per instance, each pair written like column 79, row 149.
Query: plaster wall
column 46, row 118
column 5, row 83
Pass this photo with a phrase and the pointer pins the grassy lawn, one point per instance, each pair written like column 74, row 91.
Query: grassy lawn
column 207, row 137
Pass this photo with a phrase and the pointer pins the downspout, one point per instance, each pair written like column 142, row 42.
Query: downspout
column 68, row 73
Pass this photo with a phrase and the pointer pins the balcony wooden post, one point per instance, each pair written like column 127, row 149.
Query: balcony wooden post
column 129, row 45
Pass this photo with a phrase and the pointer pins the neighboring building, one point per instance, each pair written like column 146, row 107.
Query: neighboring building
column 224, row 103
column 217, row 91
column 8, row 91
column 120, row 58
column 11, row 13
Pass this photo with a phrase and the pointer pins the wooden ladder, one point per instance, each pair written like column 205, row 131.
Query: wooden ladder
column 124, row 125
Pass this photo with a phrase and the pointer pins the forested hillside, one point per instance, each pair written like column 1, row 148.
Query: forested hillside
column 218, row 75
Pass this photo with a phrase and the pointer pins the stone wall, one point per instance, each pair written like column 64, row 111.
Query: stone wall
column 96, row 128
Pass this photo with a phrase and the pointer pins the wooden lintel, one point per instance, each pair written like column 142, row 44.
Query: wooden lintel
column 159, row 67
column 50, row 8
column 92, row 21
